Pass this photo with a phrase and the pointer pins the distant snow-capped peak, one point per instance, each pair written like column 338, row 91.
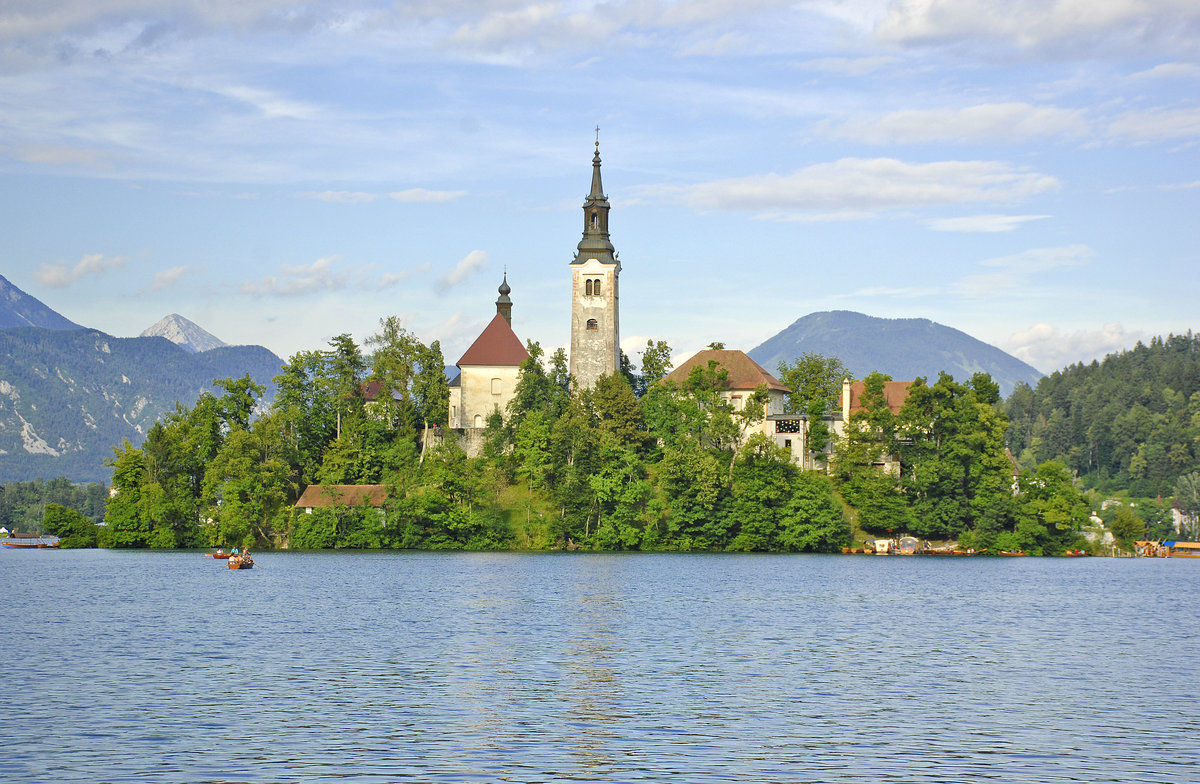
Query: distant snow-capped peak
column 184, row 333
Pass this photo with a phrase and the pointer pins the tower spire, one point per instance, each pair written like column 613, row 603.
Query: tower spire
column 503, row 303
column 595, row 316
column 595, row 243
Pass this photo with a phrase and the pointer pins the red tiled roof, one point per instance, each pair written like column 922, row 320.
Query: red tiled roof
column 744, row 372
column 894, row 392
column 348, row 495
column 496, row 345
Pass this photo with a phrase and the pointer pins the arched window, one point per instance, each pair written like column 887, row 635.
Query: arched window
column 595, row 220
column 596, row 287
column 478, row 420
column 588, row 287
column 593, row 324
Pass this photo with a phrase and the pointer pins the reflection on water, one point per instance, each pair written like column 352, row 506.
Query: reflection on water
column 486, row 668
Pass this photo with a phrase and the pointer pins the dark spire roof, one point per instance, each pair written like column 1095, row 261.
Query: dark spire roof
column 503, row 303
column 595, row 243
column 597, row 186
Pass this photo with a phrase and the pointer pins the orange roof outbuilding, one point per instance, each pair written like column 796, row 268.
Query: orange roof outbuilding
column 744, row 372
column 318, row 496
column 894, row 392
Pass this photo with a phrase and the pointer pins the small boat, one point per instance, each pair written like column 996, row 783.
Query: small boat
column 220, row 554
column 1010, row 552
column 1177, row 549
column 30, row 541
column 241, row 561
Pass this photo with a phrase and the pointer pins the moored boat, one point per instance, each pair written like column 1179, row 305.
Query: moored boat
column 30, row 541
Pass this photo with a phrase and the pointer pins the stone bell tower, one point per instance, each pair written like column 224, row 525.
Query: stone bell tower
column 595, row 337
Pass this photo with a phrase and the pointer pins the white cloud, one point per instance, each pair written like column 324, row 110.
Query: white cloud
column 1157, row 124
column 62, row 155
column 1016, row 272
column 169, row 277
column 984, row 224
column 412, row 195
column 858, row 184
column 339, row 197
column 1170, row 71
column 58, row 275
column 392, row 278
column 270, row 104
column 894, row 292
column 470, row 264
column 1008, row 122
column 423, row 195
column 1056, row 27
column 1048, row 349
column 847, row 66
column 297, row 281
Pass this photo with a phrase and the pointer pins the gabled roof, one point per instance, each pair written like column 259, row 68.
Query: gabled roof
column 496, row 345
column 744, row 372
column 318, row 496
column 371, row 391
column 894, row 392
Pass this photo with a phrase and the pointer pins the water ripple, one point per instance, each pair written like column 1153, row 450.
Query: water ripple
column 165, row 667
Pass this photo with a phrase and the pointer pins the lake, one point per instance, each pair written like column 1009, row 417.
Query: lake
column 377, row 667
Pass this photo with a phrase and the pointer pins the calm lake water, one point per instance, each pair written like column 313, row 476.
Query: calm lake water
column 168, row 667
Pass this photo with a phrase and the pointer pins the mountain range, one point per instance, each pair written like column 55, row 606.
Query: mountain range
column 902, row 348
column 18, row 309
column 69, row 394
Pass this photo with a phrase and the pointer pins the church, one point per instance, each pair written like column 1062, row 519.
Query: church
column 489, row 370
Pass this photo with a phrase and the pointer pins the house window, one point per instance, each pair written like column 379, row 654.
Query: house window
column 588, row 287
column 478, row 420
column 495, row 386
column 454, row 414
column 787, row 443
column 596, row 287
column 593, row 324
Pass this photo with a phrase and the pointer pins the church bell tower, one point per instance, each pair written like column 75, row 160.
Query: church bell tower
column 595, row 337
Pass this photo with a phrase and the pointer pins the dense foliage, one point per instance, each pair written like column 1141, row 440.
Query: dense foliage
column 641, row 465
column 950, row 477
column 1128, row 423
column 23, row 505
column 638, row 462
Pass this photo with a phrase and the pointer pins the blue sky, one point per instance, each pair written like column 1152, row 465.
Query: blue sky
column 281, row 172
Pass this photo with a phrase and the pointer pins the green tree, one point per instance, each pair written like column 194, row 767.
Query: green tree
column 656, row 365
column 955, row 468
column 128, row 524
column 72, row 528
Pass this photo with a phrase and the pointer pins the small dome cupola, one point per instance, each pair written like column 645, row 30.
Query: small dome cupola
column 503, row 303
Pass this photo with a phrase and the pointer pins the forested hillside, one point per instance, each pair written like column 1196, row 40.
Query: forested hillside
column 1130, row 422
column 67, row 397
